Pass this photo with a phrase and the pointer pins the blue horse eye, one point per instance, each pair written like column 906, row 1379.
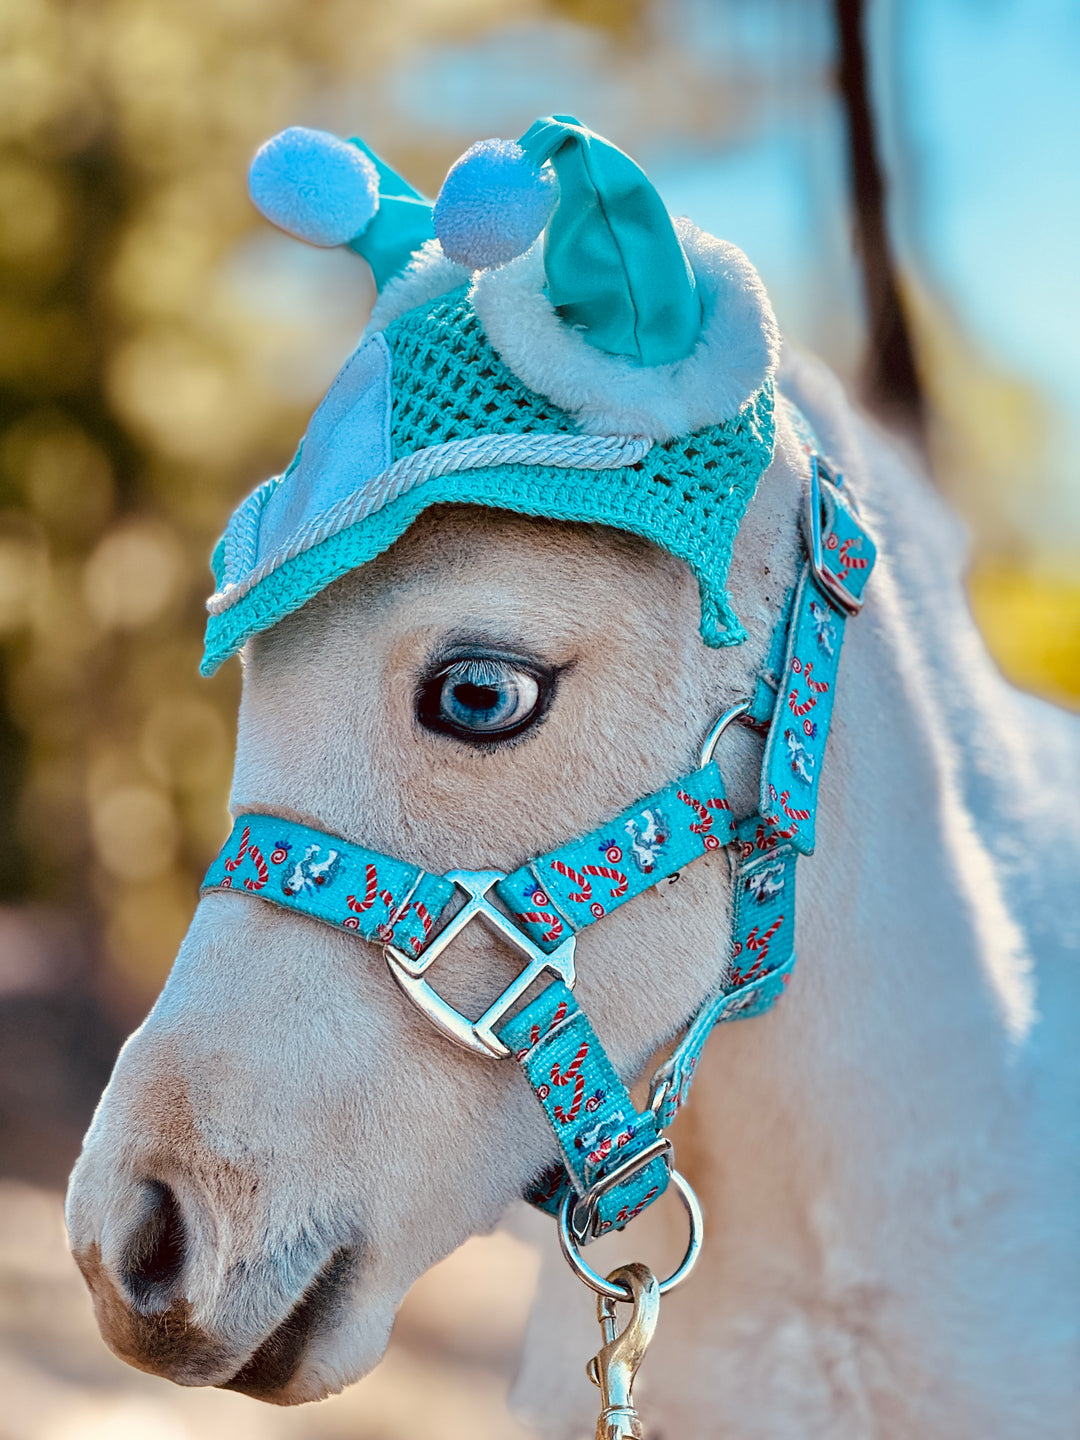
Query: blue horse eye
column 481, row 699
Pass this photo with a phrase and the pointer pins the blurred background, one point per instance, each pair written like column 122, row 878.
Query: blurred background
column 904, row 174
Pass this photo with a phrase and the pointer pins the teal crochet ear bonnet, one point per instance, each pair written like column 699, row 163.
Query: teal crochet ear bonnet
column 546, row 340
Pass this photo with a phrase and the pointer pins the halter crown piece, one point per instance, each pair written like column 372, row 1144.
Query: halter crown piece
column 548, row 340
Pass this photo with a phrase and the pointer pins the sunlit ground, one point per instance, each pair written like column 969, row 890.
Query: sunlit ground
column 446, row 1373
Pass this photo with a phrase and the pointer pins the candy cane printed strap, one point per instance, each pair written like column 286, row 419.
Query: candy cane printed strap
column 795, row 750
column 762, row 956
column 587, row 879
column 596, row 1124
column 613, row 1158
column 331, row 880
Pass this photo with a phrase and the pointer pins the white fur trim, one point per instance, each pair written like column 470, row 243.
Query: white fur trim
column 428, row 275
column 610, row 395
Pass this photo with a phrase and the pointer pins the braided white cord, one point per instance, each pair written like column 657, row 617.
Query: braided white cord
column 564, row 452
column 242, row 536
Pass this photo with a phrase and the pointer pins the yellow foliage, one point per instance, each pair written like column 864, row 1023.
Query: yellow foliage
column 1032, row 626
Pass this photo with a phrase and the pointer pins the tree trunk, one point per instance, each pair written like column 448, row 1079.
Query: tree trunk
column 890, row 380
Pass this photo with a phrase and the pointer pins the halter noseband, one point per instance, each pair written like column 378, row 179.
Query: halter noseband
column 615, row 1161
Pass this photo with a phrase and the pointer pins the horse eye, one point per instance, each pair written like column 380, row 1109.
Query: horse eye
column 482, row 698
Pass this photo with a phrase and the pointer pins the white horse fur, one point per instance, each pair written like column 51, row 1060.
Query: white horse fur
column 888, row 1161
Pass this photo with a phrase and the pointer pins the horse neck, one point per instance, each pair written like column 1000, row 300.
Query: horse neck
column 864, row 1153
column 874, row 1154
column 894, row 1041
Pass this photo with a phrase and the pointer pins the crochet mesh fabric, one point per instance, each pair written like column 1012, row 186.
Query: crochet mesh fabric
column 449, row 384
column 687, row 495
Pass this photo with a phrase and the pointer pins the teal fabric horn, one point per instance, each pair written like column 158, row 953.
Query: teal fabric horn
column 615, row 268
column 400, row 227
column 330, row 192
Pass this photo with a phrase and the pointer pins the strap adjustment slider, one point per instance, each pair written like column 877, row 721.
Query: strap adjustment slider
column 584, row 1214
column 831, row 587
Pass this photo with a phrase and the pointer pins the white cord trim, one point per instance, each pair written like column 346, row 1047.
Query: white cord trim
column 564, row 452
column 242, row 535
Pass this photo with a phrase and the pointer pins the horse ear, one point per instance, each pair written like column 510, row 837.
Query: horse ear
column 330, row 192
column 615, row 270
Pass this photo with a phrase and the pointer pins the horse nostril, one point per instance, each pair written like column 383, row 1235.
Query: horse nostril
column 155, row 1252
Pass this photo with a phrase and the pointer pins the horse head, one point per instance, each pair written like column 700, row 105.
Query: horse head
column 498, row 597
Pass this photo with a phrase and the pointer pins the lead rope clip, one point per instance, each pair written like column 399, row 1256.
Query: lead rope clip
column 615, row 1366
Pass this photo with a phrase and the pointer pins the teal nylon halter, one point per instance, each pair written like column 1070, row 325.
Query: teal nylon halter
column 615, row 1161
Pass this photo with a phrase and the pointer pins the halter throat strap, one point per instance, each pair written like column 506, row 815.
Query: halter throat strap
column 613, row 1156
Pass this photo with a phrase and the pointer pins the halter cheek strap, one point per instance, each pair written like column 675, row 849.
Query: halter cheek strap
column 614, row 1159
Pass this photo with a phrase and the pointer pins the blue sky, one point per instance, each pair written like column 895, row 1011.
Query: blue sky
column 987, row 105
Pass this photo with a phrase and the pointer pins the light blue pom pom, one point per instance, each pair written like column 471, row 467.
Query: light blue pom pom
column 493, row 204
column 315, row 186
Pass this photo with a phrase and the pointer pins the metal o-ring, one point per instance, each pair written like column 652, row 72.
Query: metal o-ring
column 708, row 750
column 596, row 1282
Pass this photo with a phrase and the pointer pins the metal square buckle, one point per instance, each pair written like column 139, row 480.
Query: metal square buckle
column 834, row 589
column 477, row 1035
column 584, row 1214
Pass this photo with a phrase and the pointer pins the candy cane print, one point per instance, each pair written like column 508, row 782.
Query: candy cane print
column 422, row 915
column 552, row 1188
column 556, row 1019
column 564, row 1077
column 821, row 686
column 718, row 802
column 395, row 917
column 754, row 941
column 545, row 917
column 246, row 848
column 625, row 1215
column 785, row 796
column 848, row 561
column 583, row 894
column 795, row 707
column 261, row 869
column 388, row 900
column 702, row 826
column 609, row 874
column 244, row 838
column 372, row 880
column 766, row 839
column 385, row 929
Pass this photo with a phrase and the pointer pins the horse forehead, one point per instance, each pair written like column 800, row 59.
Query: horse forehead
column 558, row 590
column 491, row 564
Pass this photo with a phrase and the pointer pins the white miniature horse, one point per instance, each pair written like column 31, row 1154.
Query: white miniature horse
column 889, row 1161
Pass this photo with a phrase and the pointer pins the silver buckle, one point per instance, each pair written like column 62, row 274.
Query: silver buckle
column 477, row 1035
column 583, row 1212
column 835, row 589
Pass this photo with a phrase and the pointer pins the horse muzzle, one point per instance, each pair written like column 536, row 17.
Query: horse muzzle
column 152, row 1275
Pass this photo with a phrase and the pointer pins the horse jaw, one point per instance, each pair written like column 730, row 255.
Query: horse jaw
column 324, row 1118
